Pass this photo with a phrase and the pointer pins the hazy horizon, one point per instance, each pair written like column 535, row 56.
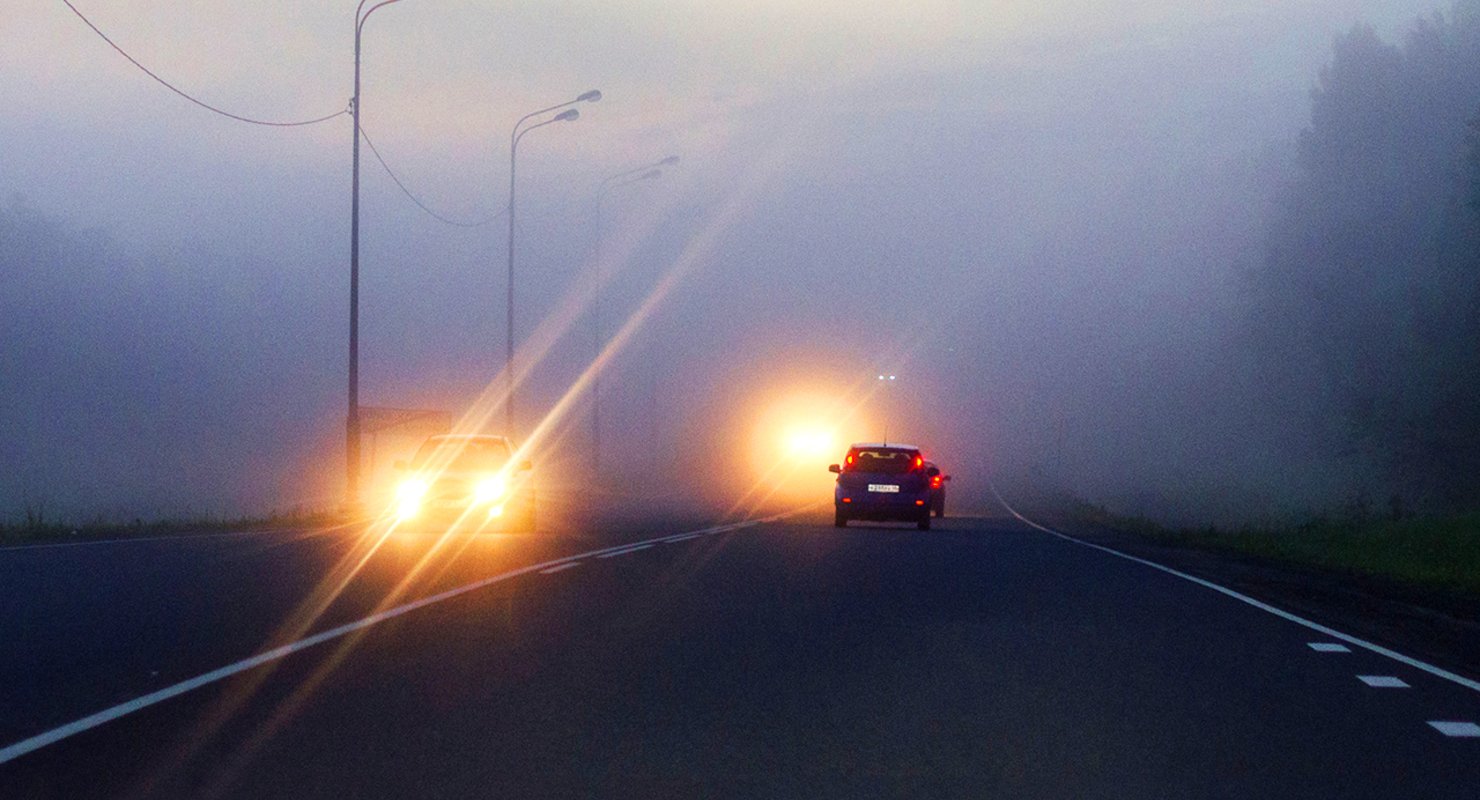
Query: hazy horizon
column 1039, row 215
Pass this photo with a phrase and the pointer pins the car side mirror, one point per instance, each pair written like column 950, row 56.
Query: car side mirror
column 526, row 466
column 946, row 478
column 835, row 468
column 401, row 464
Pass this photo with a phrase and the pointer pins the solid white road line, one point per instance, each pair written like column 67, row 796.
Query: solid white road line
column 18, row 749
column 559, row 567
column 1329, row 647
column 1458, row 729
column 1262, row 606
column 684, row 538
column 615, row 553
column 1382, row 681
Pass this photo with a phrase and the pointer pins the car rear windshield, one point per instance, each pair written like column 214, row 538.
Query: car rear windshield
column 886, row 460
column 461, row 455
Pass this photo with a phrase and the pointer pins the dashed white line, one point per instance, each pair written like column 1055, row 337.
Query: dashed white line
column 1382, row 681
column 559, row 567
column 615, row 553
column 1463, row 730
column 1329, row 647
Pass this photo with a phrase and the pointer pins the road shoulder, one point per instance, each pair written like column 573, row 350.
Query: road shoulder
column 1440, row 627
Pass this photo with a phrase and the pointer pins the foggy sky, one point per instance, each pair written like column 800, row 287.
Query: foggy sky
column 1035, row 211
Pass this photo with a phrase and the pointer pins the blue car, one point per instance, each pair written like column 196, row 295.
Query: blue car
column 882, row 482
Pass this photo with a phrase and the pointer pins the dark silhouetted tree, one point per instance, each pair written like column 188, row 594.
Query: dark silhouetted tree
column 1367, row 296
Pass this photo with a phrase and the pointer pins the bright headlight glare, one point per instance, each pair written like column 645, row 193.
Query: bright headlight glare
column 489, row 490
column 412, row 490
column 408, row 498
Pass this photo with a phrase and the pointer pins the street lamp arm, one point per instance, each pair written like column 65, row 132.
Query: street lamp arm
column 533, row 114
column 663, row 162
column 360, row 18
column 520, row 134
column 587, row 97
column 646, row 176
column 608, row 179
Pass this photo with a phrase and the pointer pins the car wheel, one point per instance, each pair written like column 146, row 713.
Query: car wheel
column 924, row 522
column 840, row 520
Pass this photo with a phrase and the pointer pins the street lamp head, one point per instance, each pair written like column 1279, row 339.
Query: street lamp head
column 589, row 97
column 669, row 161
column 567, row 116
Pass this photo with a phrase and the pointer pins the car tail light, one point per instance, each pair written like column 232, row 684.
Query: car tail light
column 935, row 482
column 919, row 502
column 847, row 499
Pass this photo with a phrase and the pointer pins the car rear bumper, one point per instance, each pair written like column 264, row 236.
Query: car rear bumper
column 867, row 508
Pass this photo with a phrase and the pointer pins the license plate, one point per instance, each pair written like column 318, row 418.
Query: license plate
column 884, row 487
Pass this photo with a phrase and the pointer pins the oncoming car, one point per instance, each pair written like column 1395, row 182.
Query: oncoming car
column 467, row 483
column 882, row 482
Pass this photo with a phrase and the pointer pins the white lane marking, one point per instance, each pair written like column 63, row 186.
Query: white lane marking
column 1262, row 606
column 559, row 567
column 683, row 538
column 40, row 740
column 616, row 553
column 1329, row 647
column 1382, row 681
column 1458, row 729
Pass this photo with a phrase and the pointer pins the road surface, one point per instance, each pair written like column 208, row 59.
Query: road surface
column 985, row 658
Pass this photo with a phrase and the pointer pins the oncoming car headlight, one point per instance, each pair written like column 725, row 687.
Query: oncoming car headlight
column 488, row 490
column 408, row 498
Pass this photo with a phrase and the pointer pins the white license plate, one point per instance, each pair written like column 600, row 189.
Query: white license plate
column 884, row 487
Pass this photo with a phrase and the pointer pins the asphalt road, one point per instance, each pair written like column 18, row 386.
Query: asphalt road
column 787, row 659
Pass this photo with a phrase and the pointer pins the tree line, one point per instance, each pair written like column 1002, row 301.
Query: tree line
column 1365, row 309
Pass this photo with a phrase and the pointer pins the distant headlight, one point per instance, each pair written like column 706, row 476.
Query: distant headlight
column 488, row 490
column 408, row 498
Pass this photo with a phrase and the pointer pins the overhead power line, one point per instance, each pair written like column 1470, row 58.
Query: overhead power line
column 413, row 198
column 201, row 103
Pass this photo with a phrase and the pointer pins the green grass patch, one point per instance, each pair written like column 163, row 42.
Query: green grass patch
column 1434, row 552
column 34, row 528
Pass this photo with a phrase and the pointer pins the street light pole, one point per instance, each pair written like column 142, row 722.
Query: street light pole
column 514, row 137
column 888, row 380
column 352, row 419
column 649, row 172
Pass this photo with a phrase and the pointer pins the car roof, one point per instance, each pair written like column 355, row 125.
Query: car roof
column 890, row 446
column 468, row 437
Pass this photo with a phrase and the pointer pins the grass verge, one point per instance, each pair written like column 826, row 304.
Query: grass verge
column 1431, row 552
column 36, row 530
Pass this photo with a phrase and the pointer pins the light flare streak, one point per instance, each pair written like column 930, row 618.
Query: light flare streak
column 490, row 401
